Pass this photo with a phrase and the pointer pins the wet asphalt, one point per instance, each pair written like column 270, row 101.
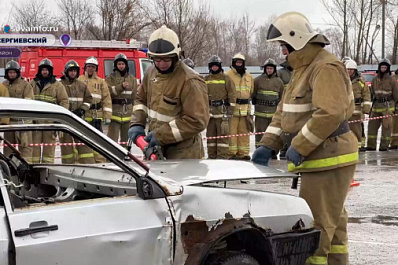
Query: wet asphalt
column 372, row 207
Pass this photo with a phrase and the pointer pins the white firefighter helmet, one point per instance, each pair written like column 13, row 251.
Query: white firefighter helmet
column 238, row 56
column 164, row 42
column 350, row 64
column 294, row 29
column 91, row 60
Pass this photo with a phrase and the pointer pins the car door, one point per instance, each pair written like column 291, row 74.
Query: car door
column 122, row 230
column 92, row 230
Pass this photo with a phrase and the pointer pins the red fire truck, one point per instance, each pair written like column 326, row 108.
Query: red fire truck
column 79, row 50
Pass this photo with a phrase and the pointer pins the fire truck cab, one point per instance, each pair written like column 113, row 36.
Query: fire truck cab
column 79, row 50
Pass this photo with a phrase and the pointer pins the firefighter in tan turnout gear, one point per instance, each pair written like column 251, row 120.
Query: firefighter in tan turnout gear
column 100, row 111
column 385, row 94
column 123, row 89
column 222, row 103
column 18, row 88
column 46, row 88
column 4, row 93
column 315, row 107
column 175, row 99
column 267, row 93
column 80, row 100
column 242, row 120
column 361, row 98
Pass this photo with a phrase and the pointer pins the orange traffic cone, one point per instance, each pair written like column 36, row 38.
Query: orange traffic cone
column 354, row 183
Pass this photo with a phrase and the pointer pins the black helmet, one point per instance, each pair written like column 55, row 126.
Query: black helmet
column 269, row 62
column 123, row 58
column 45, row 63
column 71, row 65
column 189, row 62
column 385, row 62
column 12, row 65
column 215, row 60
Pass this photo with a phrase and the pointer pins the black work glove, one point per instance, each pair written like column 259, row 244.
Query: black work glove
column 79, row 112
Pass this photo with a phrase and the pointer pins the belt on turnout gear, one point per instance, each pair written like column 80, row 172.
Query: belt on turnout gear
column 358, row 101
column 267, row 102
column 217, row 103
column 122, row 101
column 96, row 106
column 242, row 101
column 343, row 128
column 383, row 99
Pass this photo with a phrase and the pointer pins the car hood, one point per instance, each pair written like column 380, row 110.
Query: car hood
column 192, row 172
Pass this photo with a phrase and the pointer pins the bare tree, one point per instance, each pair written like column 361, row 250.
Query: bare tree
column 264, row 49
column 32, row 14
column 119, row 19
column 75, row 15
column 191, row 23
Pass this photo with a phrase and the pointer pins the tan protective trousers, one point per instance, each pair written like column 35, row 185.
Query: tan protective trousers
column 394, row 134
column 22, row 138
column 356, row 128
column 325, row 192
column 386, row 130
column 217, row 148
column 79, row 153
column 261, row 125
column 239, row 146
column 47, row 156
column 116, row 129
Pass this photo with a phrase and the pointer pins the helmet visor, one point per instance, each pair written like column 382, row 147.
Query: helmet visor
column 273, row 33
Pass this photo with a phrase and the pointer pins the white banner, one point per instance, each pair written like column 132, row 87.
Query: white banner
column 27, row 40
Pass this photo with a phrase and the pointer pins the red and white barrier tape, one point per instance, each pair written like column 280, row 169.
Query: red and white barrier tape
column 204, row 138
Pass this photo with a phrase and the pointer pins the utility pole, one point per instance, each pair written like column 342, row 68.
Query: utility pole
column 383, row 29
column 345, row 41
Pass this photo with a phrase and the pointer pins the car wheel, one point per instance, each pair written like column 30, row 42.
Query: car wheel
column 233, row 258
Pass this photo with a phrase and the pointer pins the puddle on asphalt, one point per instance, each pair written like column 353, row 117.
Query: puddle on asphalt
column 379, row 219
column 379, row 158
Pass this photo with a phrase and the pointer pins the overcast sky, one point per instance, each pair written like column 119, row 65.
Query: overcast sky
column 259, row 10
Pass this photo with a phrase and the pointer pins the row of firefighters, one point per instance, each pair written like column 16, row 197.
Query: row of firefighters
column 98, row 101
column 110, row 102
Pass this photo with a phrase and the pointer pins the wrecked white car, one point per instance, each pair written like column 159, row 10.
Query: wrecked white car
column 127, row 212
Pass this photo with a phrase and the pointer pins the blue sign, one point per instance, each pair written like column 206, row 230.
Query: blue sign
column 10, row 52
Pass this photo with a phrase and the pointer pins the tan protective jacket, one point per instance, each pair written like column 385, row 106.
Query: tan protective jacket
column 78, row 93
column 19, row 89
column 221, row 87
column 122, row 99
column 53, row 92
column 267, row 90
column 4, row 93
column 284, row 73
column 101, row 106
column 318, row 99
column 244, row 89
column 362, row 99
column 177, row 105
column 386, row 87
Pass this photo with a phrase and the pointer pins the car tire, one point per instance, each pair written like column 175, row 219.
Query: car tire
column 233, row 258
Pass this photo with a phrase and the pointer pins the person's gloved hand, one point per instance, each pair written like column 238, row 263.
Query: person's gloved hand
column 135, row 131
column 79, row 112
column 107, row 121
column 293, row 156
column 262, row 155
column 150, row 138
